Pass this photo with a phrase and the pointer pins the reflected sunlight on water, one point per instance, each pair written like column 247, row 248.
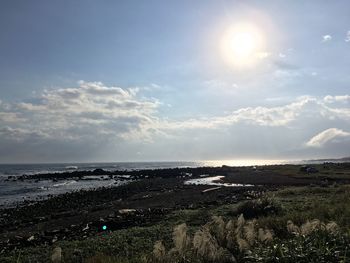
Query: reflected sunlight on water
column 247, row 162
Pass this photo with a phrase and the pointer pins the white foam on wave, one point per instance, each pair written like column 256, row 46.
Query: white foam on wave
column 71, row 167
column 64, row 183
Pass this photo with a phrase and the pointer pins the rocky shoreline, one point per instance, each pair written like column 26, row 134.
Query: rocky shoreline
column 148, row 198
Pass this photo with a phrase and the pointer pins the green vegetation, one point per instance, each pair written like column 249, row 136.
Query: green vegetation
column 339, row 171
column 257, row 208
column 273, row 216
column 246, row 241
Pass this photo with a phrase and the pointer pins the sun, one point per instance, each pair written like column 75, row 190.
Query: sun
column 241, row 44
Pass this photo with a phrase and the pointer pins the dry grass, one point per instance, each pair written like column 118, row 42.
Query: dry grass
column 265, row 235
column 56, row 256
column 217, row 227
column 205, row 245
column 159, row 251
column 180, row 238
column 225, row 241
column 220, row 241
column 312, row 226
column 216, row 241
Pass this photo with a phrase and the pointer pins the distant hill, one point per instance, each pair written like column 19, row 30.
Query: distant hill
column 337, row 160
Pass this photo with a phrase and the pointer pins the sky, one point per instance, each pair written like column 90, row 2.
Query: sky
column 102, row 81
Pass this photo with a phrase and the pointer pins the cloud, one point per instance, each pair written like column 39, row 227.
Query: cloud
column 18, row 134
column 9, row 117
column 93, row 109
column 303, row 107
column 87, row 111
column 332, row 99
column 347, row 38
column 6, row 115
column 270, row 116
column 326, row 38
column 329, row 135
column 92, row 118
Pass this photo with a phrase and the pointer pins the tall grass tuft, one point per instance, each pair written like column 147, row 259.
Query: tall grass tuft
column 220, row 241
column 292, row 228
column 205, row 245
column 332, row 228
column 56, row 256
column 312, row 226
column 240, row 225
column 250, row 232
column 243, row 245
column 159, row 252
column 230, row 235
column 180, row 238
column 265, row 235
column 217, row 227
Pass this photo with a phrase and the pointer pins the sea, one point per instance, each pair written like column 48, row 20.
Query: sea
column 14, row 193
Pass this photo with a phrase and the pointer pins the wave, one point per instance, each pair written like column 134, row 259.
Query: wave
column 64, row 183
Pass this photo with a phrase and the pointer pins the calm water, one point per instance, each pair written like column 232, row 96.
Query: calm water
column 13, row 192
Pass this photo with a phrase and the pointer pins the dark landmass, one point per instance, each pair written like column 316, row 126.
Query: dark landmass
column 246, row 175
column 123, row 174
column 148, row 198
column 339, row 160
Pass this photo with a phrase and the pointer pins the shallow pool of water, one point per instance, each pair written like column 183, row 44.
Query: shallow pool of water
column 213, row 180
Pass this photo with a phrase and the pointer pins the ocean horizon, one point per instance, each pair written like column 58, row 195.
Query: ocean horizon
column 18, row 191
column 17, row 169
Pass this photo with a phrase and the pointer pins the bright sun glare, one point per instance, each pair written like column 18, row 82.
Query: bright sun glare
column 241, row 44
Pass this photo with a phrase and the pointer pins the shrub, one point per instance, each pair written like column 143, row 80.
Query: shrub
column 260, row 207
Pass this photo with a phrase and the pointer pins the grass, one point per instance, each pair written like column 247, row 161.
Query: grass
column 340, row 171
column 128, row 245
column 297, row 204
column 246, row 241
column 320, row 247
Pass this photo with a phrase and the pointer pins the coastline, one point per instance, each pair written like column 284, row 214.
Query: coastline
column 149, row 196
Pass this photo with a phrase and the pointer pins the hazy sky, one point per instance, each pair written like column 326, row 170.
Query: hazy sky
column 159, row 80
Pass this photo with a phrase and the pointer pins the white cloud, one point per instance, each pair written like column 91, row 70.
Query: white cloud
column 89, row 110
column 259, row 116
column 326, row 38
column 92, row 110
column 347, row 38
column 7, row 117
column 93, row 116
column 18, row 134
column 327, row 136
column 304, row 109
column 341, row 98
column 337, row 106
